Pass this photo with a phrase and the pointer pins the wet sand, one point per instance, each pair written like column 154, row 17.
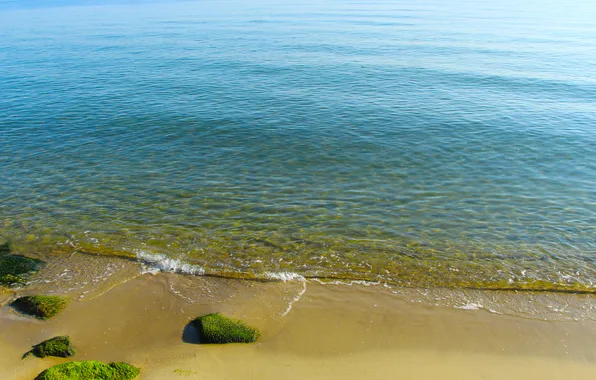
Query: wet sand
column 330, row 332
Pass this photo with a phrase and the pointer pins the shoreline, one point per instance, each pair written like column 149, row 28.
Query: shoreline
column 157, row 262
column 309, row 330
column 83, row 276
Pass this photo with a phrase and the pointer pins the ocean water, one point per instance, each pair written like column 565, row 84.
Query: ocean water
column 429, row 143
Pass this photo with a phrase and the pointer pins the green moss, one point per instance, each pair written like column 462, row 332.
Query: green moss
column 184, row 372
column 15, row 269
column 215, row 328
column 4, row 248
column 59, row 346
column 89, row 370
column 123, row 371
column 12, row 280
column 42, row 307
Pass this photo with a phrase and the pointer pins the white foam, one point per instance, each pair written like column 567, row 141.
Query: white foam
column 348, row 283
column 179, row 294
column 476, row 306
column 470, row 306
column 296, row 299
column 162, row 263
column 150, row 269
column 284, row 276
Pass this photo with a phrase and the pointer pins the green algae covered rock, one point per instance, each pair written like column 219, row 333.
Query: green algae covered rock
column 89, row 370
column 59, row 346
column 215, row 328
column 15, row 269
column 42, row 307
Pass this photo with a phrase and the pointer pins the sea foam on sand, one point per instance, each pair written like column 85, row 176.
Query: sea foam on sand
column 161, row 263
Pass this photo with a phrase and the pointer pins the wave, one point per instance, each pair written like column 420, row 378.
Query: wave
column 476, row 306
column 284, row 276
column 287, row 277
column 162, row 263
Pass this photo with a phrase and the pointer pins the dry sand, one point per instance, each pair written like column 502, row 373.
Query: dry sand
column 331, row 332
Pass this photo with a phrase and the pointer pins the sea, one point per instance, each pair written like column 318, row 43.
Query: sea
column 424, row 144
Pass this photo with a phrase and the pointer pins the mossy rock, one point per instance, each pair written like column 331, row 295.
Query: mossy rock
column 42, row 307
column 59, row 346
column 89, row 370
column 217, row 329
column 5, row 248
column 15, row 269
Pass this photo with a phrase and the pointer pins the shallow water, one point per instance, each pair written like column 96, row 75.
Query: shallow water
column 425, row 144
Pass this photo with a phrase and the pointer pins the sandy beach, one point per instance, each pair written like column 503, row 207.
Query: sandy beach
column 309, row 330
column 383, row 189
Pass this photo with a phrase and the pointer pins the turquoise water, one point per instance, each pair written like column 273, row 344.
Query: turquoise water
column 432, row 143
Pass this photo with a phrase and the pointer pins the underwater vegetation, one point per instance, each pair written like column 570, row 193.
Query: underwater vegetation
column 59, row 346
column 15, row 269
column 42, row 307
column 218, row 329
column 88, row 370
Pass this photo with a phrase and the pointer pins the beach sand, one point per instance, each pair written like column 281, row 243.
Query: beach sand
column 310, row 331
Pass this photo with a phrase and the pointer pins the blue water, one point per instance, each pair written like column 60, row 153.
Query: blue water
column 428, row 143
